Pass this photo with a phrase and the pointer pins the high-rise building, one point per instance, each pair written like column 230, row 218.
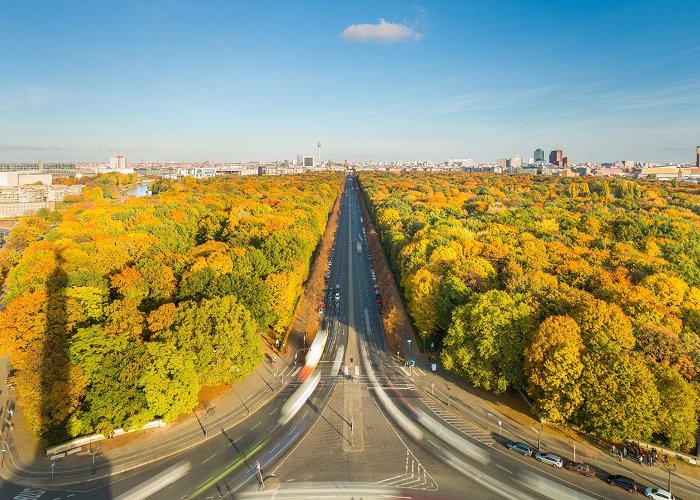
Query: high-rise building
column 539, row 154
column 117, row 162
column 697, row 157
column 502, row 162
column 567, row 162
column 556, row 158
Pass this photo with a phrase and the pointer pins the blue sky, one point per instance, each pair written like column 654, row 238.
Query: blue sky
column 382, row 80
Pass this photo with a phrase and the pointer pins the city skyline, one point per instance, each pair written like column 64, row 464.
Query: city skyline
column 385, row 81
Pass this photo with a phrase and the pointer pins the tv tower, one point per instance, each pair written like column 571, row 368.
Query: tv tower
column 319, row 153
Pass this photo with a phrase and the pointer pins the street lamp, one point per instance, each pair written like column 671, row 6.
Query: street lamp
column 93, row 453
column 425, row 334
column 669, row 476
column 538, row 436
column 208, row 411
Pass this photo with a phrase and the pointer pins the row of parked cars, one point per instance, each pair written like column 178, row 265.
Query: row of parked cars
column 586, row 470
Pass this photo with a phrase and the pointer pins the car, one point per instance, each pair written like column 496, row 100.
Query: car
column 521, row 448
column 550, row 459
column 337, row 296
column 658, row 494
column 581, row 468
column 622, row 481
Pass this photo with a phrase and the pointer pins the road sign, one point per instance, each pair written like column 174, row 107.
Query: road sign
column 53, row 464
column 412, row 362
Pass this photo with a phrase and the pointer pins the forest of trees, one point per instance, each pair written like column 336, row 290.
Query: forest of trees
column 585, row 293
column 97, row 187
column 119, row 313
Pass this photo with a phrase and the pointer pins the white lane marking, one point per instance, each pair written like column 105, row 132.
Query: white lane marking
column 209, row 458
column 389, row 479
column 501, row 467
column 273, row 411
column 256, row 425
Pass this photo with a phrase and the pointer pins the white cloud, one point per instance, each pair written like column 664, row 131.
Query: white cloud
column 382, row 32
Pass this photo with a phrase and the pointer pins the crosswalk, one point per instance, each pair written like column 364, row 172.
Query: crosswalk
column 461, row 425
column 415, row 476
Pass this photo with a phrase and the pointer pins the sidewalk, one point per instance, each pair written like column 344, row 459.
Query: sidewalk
column 26, row 465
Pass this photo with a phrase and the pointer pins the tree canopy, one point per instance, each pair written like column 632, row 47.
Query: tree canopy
column 583, row 292
column 118, row 313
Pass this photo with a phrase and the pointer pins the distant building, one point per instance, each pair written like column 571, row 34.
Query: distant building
column 515, row 162
column 55, row 168
column 308, row 161
column 16, row 201
column 117, row 162
column 539, row 155
column 697, row 157
column 502, row 162
column 23, row 178
column 567, row 162
column 556, row 158
column 667, row 172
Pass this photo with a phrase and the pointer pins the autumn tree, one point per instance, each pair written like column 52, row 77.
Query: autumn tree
column 553, row 367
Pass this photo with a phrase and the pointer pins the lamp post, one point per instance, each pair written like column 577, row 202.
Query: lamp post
column 93, row 453
column 4, row 448
column 425, row 334
column 208, row 411
column 669, row 476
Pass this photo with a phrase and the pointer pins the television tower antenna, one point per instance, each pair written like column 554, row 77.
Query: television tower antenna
column 319, row 153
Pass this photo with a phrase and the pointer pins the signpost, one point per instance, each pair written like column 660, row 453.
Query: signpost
column 53, row 466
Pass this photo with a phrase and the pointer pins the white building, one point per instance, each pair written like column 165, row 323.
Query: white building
column 23, row 178
column 117, row 162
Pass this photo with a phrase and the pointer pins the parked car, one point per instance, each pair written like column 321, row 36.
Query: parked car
column 622, row 481
column 549, row 458
column 658, row 494
column 581, row 468
column 521, row 448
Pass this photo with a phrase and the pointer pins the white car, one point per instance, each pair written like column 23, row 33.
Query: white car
column 658, row 494
column 549, row 458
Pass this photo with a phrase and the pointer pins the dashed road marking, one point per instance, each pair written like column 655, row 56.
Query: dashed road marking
column 458, row 423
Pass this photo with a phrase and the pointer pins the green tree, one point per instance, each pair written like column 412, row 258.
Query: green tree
column 678, row 411
column 620, row 398
column 486, row 339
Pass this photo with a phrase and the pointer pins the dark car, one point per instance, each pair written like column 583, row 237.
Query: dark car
column 581, row 468
column 521, row 448
column 622, row 481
